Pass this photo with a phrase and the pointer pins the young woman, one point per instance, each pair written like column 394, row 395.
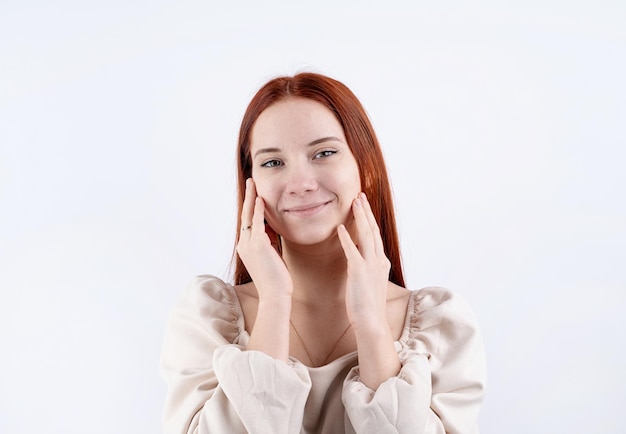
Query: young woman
column 318, row 333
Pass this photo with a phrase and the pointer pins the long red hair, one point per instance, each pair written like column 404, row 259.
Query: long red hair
column 361, row 139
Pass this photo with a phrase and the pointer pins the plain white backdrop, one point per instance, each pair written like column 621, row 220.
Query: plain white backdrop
column 503, row 125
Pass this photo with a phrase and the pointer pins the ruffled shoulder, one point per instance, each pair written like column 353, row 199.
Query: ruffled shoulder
column 438, row 319
column 208, row 312
column 205, row 318
column 443, row 329
column 443, row 371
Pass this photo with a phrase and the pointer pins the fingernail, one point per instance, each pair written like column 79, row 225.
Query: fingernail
column 357, row 201
column 363, row 196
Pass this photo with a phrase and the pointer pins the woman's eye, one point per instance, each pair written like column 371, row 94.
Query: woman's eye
column 272, row 163
column 325, row 154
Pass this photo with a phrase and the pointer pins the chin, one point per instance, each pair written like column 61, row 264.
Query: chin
column 311, row 237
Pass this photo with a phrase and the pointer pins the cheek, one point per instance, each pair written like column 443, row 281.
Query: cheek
column 262, row 187
column 353, row 177
column 352, row 181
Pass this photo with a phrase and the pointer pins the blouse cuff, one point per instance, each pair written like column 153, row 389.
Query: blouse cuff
column 268, row 394
column 397, row 404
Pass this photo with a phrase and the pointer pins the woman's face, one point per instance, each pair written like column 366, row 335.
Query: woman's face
column 303, row 169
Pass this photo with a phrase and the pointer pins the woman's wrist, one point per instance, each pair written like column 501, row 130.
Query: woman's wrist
column 381, row 360
column 367, row 324
column 275, row 295
column 270, row 333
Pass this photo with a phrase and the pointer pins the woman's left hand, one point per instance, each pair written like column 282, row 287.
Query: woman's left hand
column 366, row 296
column 368, row 267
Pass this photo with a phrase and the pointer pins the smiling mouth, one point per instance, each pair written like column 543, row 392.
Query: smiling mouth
column 306, row 210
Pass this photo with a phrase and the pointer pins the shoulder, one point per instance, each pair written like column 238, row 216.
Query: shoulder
column 441, row 319
column 209, row 302
column 434, row 304
column 443, row 330
column 208, row 290
column 205, row 317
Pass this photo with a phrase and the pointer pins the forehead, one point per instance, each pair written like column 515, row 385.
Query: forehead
column 294, row 121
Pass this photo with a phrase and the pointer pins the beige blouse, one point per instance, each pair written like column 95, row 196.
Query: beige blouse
column 215, row 386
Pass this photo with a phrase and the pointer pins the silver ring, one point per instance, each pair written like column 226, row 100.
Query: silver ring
column 245, row 228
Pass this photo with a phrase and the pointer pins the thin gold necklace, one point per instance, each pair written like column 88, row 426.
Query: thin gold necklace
column 308, row 354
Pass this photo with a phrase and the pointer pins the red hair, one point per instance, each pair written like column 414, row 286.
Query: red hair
column 361, row 139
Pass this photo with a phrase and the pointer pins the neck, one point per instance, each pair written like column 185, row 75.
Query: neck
column 318, row 271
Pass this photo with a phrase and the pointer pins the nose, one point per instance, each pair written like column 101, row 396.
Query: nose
column 300, row 178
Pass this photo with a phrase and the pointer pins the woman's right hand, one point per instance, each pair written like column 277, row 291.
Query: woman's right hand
column 256, row 248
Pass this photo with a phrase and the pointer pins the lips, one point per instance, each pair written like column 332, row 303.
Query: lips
column 307, row 209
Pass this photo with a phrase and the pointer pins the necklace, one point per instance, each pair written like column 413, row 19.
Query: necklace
column 308, row 354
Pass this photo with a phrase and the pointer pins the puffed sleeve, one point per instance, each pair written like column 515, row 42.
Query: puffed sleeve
column 214, row 385
column 441, row 383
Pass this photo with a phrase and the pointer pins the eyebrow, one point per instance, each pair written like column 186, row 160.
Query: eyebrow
column 313, row 143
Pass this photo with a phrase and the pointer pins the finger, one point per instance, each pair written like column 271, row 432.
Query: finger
column 248, row 205
column 364, row 233
column 258, row 218
column 375, row 229
column 349, row 249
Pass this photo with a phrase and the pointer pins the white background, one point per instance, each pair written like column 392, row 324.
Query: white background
column 503, row 126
